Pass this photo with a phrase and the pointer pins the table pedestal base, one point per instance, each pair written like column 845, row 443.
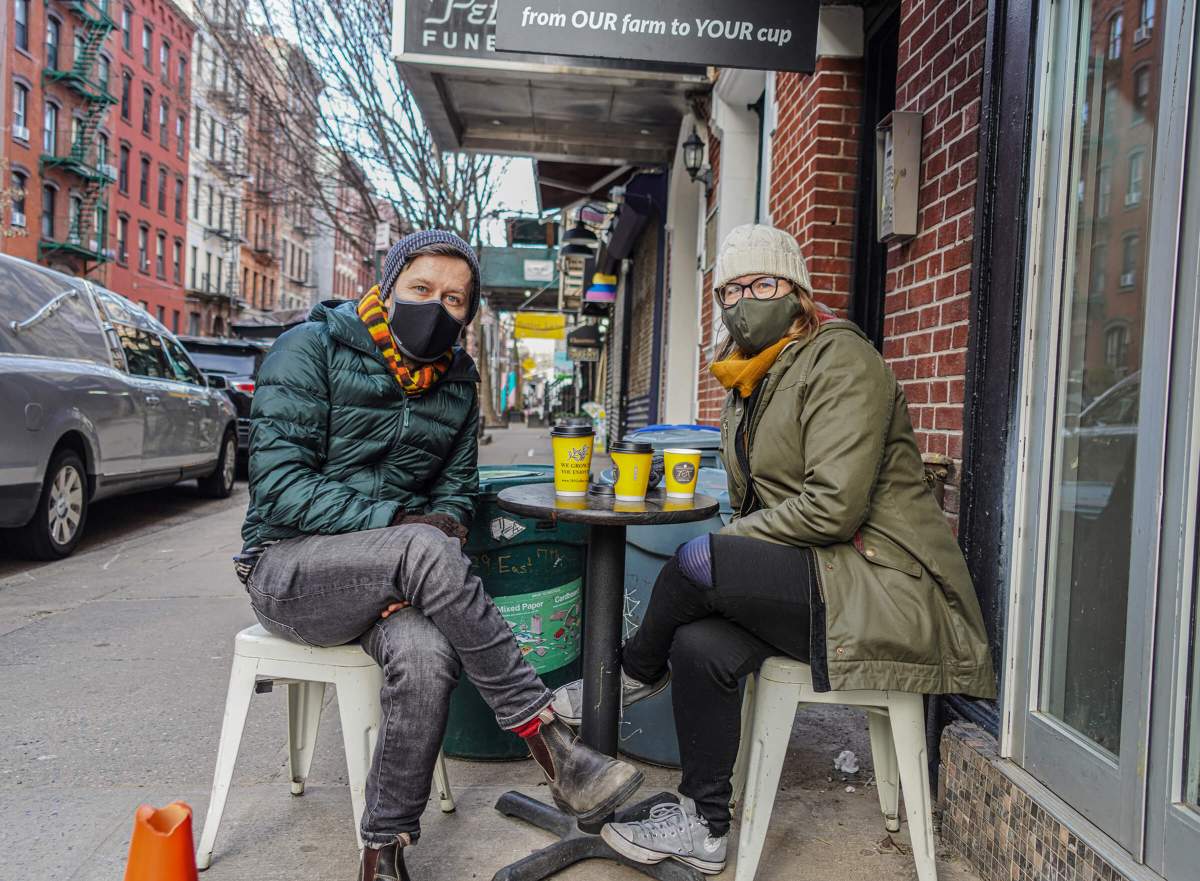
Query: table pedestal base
column 575, row 845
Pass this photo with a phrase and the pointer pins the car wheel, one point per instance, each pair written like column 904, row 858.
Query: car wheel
column 58, row 523
column 219, row 484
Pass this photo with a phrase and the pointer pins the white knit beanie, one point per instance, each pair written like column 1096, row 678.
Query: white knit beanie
column 756, row 249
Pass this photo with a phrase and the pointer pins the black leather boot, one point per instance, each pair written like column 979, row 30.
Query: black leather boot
column 586, row 783
column 383, row 864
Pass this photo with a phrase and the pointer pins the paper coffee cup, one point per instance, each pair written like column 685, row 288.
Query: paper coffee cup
column 572, row 458
column 682, row 468
column 631, row 465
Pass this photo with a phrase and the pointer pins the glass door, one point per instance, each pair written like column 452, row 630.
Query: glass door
column 1096, row 381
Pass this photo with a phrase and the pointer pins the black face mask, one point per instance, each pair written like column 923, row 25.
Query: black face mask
column 423, row 331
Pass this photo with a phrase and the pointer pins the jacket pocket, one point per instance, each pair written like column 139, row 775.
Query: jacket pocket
column 878, row 549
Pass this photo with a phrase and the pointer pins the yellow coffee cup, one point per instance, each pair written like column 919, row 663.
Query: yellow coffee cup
column 572, row 458
column 631, row 464
column 682, row 467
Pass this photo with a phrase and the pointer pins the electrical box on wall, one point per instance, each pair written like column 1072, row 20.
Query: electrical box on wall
column 897, row 175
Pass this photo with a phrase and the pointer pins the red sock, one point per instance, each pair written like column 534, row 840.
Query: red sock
column 530, row 728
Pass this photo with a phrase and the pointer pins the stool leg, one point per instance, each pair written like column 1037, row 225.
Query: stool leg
column 743, row 757
column 774, row 712
column 883, row 757
column 908, row 730
column 304, row 716
column 441, row 780
column 237, row 705
column 358, row 706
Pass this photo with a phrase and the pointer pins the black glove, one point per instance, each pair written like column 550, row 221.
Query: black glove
column 444, row 522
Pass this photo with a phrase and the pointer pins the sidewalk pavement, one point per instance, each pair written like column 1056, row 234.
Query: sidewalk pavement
column 113, row 668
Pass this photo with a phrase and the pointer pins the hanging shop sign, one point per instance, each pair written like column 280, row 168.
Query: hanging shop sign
column 758, row 34
column 462, row 33
column 539, row 326
column 539, row 270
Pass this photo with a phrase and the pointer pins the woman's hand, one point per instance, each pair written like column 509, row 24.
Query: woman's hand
column 393, row 608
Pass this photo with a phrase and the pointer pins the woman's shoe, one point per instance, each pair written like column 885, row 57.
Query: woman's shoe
column 568, row 699
column 584, row 782
column 671, row 832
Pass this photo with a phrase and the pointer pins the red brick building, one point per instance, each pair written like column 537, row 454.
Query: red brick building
column 58, row 133
column 151, row 76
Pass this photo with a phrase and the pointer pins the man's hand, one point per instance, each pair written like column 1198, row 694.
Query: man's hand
column 393, row 608
column 444, row 522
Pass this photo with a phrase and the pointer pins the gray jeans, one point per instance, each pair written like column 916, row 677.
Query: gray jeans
column 325, row 590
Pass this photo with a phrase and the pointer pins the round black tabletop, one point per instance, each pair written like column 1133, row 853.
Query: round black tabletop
column 540, row 500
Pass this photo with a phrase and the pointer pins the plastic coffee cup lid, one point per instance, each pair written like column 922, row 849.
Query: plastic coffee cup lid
column 631, row 447
column 572, row 431
column 684, row 452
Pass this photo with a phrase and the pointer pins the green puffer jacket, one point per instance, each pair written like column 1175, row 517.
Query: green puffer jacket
column 336, row 446
column 836, row 468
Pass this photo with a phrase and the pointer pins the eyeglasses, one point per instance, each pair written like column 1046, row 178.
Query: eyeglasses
column 765, row 287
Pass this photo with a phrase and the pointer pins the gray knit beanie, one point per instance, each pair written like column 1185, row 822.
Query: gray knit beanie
column 401, row 253
column 757, row 249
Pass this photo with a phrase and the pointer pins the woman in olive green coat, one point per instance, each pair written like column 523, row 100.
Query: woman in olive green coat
column 837, row 553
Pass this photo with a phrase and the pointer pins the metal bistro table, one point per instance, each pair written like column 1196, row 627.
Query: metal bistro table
column 603, row 611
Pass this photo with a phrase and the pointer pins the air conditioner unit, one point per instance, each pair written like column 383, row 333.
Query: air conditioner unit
column 1126, row 279
column 1141, row 35
column 110, row 253
column 1133, row 198
column 18, row 219
column 109, row 171
column 20, row 132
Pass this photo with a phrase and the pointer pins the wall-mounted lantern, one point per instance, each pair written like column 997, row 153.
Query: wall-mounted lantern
column 693, row 160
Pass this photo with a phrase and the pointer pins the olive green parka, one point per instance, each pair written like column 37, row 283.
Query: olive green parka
column 835, row 466
column 335, row 444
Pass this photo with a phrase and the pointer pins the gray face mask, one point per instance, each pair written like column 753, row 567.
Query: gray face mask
column 756, row 324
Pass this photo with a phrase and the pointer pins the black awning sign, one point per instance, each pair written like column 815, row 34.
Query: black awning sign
column 758, row 34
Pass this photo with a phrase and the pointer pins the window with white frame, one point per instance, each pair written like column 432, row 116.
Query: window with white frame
column 1116, row 30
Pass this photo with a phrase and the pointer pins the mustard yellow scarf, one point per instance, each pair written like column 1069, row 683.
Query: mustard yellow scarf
column 744, row 374
column 414, row 380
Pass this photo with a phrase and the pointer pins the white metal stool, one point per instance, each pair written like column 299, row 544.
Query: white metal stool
column 306, row 671
column 897, row 727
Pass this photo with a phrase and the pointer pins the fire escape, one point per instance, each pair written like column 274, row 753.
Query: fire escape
column 87, row 219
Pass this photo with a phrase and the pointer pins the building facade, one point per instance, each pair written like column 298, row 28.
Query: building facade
column 217, row 174
column 59, row 134
column 152, row 79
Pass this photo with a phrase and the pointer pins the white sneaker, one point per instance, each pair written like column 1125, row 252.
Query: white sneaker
column 672, row 831
column 568, row 699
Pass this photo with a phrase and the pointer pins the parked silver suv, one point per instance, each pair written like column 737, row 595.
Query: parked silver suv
column 96, row 399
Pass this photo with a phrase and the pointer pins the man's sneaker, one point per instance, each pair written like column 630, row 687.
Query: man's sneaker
column 568, row 699
column 672, row 831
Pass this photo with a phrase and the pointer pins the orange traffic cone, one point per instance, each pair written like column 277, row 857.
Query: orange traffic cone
column 161, row 848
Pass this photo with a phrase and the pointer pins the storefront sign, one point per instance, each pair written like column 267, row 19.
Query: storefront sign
column 583, row 353
column 462, row 33
column 537, row 326
column 539, row 270
column 758, row 34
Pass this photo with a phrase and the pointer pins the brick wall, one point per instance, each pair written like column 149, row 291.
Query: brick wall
column 814, row 170
column 940, row 74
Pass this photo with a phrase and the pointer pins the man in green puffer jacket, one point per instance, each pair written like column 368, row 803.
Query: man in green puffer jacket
column 363, row 467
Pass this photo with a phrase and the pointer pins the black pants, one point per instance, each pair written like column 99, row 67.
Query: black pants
column 713, row 631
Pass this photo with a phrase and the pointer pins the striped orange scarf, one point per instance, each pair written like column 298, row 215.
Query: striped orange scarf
column 415, row 380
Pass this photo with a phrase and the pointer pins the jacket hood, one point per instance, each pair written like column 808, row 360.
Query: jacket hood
column 341, row 318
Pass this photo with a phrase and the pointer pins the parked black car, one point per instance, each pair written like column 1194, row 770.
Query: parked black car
column 231, row 364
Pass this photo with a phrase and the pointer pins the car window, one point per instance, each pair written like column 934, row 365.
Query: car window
column 185, row 370
column 226, row 363
column 144, row 353
column 1121, row 408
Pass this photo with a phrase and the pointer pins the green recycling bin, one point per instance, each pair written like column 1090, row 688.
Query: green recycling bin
column 533, row 570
